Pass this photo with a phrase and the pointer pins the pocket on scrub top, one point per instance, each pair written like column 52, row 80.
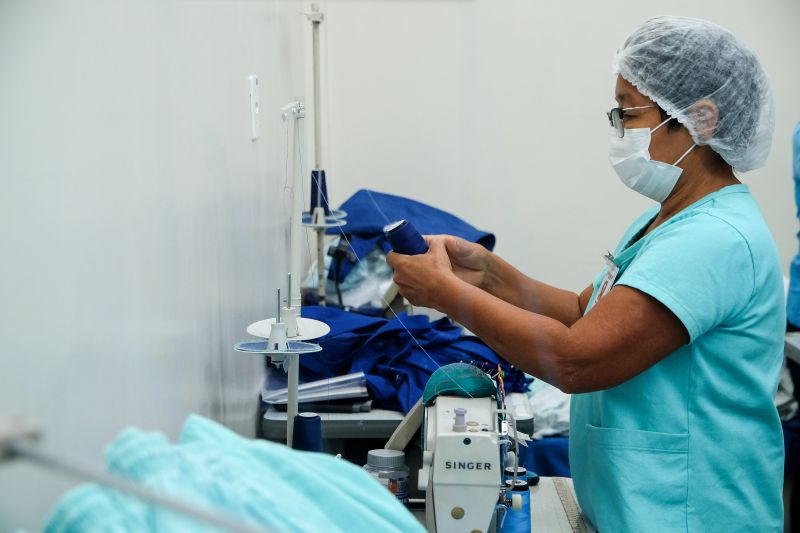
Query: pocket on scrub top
column 640, row 479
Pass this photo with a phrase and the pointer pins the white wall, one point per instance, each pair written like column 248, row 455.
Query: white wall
column 142, row 230
column 495, row 111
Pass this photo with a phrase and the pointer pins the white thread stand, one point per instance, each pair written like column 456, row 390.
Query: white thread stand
column 277, row 336
column 288, row 336
column 316, row 218
column 287, row 352
column 292, row 363
column 316, row 17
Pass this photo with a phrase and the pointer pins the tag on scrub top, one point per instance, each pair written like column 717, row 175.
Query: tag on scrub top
column 609, row 278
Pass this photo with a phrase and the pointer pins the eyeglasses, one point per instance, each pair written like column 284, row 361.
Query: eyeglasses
column 616, row 115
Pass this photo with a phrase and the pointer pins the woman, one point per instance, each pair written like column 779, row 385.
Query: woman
column 673, row 353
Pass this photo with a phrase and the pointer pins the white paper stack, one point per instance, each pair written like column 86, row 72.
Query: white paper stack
column 337, row 388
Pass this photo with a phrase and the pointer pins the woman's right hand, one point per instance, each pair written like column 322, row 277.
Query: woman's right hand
column 470, row 261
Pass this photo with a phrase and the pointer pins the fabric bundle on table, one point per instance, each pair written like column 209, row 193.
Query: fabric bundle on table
column 260, row 483
column 550, row 410
column 398, row 355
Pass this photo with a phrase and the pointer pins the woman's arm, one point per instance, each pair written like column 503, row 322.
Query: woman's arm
column 481, row 268
column 624, row 334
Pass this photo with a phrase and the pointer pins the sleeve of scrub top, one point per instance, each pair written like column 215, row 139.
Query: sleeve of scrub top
column 700, row 268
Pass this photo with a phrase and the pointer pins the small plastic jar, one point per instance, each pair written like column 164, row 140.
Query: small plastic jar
column 389, row 468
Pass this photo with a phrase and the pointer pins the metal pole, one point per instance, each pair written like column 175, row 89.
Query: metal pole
column 321, row 275
column 316, row 19
column 294, row 112
column 293, row 361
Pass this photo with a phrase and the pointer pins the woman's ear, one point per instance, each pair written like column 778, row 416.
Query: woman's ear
column 703, row 116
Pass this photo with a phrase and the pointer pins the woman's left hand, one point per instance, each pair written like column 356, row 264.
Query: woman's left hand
column 426, row 279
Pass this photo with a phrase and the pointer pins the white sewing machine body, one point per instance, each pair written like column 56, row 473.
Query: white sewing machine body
column 462, row 467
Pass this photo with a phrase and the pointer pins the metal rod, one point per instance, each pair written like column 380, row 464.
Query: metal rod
column 296, row 231
column 321, row 265
column 120, row 484
column 278, row 314
column 315, row 23
column 293, row 361
column 289, row 290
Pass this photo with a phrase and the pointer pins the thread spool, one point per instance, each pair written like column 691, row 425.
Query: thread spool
column 404, row 238
column 518, row 521
column 508, row 473
column 532, row 478
column 319, row 192
column 307, row 432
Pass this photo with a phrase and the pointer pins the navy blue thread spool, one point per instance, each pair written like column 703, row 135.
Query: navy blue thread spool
column 404, row 238
column 307, row 434
column 508, row 473
column 319, row 192
column 518, row 521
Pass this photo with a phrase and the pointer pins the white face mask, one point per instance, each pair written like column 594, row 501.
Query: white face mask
column 630, row 157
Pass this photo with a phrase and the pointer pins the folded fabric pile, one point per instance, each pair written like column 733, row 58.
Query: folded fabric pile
column 260, row 483
column 398, row 355
column 550, row 411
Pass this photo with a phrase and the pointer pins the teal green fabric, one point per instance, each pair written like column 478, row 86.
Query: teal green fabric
column 458, row 379
column 258, row 482
column 694, row 443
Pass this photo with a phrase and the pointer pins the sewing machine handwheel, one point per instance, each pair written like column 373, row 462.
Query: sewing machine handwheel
column 516, row 502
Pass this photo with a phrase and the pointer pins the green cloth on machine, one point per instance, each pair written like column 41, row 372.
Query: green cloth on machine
column 458, row 379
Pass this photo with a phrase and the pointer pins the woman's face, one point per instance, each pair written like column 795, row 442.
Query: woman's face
column 665, row 145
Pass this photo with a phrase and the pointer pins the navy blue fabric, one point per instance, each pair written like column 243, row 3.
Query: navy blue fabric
column 791, row 467
column 367, row 214
column 547, row 457
column 791, row 445
column 396, row 367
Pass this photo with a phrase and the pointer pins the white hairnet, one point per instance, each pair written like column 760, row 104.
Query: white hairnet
column 678, row 62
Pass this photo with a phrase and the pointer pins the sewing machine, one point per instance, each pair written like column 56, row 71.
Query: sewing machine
column 462, row 465
column 466, row 446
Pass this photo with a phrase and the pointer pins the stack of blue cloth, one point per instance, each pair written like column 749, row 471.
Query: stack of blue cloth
column 397, row 355
column 260, row 483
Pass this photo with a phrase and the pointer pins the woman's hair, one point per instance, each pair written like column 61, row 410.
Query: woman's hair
column 705, row 78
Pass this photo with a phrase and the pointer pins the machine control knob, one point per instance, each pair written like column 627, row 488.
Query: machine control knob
column 427, row 458
column 422, row 479
column 460, row 424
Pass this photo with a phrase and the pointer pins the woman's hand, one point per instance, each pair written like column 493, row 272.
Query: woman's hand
column 469, row 261
column 427, row 279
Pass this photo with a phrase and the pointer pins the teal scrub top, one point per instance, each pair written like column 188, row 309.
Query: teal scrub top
column 694, row 443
